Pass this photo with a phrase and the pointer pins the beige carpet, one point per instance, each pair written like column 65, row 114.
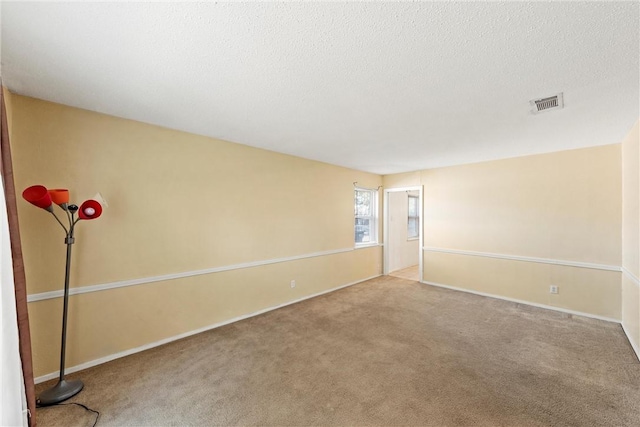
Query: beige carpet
column 385, row 352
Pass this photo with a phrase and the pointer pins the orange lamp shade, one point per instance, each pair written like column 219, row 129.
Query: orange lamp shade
column 38, row 195
column 90, row 209
column 59, row 196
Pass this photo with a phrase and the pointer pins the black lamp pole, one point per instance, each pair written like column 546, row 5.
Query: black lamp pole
column 64, row 389
column 40, row 196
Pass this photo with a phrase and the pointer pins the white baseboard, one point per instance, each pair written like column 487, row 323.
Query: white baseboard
column 634, row 345
column 533, row 304
column 114, row 356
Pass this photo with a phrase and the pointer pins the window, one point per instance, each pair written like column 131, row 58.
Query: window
column 413, row 218
column 366, row 202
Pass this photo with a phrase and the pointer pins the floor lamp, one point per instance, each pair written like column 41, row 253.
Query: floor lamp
column 39, row 196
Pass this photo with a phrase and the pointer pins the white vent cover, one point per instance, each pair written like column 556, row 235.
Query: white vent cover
column 550, row 103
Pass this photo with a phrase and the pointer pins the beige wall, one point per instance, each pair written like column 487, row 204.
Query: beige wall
column 631, row 236
column 561, row 207
column 564, row 206
column 403, row 252
column 177, row 203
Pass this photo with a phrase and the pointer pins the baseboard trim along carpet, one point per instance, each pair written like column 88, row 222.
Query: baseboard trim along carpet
column 634, row 346
column 114, row 356
column 533, row 304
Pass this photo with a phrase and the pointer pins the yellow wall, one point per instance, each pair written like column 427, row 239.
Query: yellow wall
column 177, row 203
column 631, row 236
column 563, row 206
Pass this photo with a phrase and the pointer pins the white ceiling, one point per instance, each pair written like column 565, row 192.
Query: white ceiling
column 380, row 87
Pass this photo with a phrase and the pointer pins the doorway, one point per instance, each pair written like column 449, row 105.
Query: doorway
column 403, row 232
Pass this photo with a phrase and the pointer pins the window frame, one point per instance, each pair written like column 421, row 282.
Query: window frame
column 416, row 218
column 373, row 218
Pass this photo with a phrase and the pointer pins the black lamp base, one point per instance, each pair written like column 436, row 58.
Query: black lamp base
column 59, row 392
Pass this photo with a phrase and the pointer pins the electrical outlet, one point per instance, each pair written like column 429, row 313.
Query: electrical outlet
column 553, row 289
column 293, row 284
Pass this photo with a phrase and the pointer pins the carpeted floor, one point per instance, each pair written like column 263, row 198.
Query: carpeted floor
column 385, row 352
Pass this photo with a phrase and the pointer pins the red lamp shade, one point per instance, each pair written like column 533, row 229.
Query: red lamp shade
column 38, row 195
column 90, row 209
column 59, row 196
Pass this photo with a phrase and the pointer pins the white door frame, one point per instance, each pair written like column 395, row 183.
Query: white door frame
column 385, row 229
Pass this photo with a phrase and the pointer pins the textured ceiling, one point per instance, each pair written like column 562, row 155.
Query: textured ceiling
column 380, row 87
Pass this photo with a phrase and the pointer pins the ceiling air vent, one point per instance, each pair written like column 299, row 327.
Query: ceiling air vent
column 547, row 104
